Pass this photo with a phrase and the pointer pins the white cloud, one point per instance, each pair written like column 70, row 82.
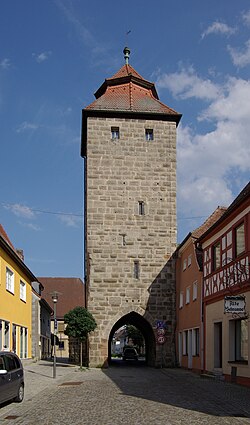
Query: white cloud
column 215, row 163
column 218, row 28
column 41, row 57
column 26, row 126
column 246, row 18
column 187, row 83
column 70, row 220
column 20, row 210
column 5, row 63
column 240, row 57
column 30, row 226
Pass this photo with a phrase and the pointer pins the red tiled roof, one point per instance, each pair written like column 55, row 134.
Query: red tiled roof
column 197, row 233
column 72, row 293
column 128, row 91
column 125, row 71
column 6, row 237
column 130, row 97
column 243, row 197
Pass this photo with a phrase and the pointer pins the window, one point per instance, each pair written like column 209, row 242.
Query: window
column 141, row 208
column 184, row 265
column 115, row 134
column 123, row 240
column 136, row 269
column 188, row 295
column 195, row 342
column 195, row 290
column 189, row 260
column 9, row 280
column 22, row 290
column 239, row 239
column 181, row 300
column 149, row 134
column 185, row 343
column 7, row 334
column 238, row 334
column 216, row 256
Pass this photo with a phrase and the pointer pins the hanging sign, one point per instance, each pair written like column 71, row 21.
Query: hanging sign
column 235, row 304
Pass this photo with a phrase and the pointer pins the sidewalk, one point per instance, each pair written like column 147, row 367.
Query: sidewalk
column 38, row 375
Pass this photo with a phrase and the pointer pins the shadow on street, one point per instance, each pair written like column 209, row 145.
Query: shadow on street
column 180, row 388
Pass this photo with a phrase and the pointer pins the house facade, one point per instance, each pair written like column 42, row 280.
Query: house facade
column 226, row 292
column 16, row 299
column 189, row 281
column 41, row 324
column 71, row 293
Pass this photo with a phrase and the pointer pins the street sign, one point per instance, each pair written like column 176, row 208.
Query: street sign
column 235, row 304
column 159, row 324
column 161, row 339
column 160, row 331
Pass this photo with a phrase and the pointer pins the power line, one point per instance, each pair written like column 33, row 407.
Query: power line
column 9, row 206
column 81, row 215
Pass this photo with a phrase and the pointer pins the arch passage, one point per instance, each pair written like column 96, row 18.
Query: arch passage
column 144, row 327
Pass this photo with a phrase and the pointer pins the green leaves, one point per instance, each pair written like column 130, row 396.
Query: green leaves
column 80, row 323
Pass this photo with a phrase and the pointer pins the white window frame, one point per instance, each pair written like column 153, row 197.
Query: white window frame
column 195, row 290
column 184, row 264
column 188, row 295
column 10, row 285
column 189, row 260
column 22, row 290
column 181, row 301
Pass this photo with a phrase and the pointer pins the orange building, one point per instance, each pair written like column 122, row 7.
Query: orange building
column 189, row 278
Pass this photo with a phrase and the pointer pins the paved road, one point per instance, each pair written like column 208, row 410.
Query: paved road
column 125, row 395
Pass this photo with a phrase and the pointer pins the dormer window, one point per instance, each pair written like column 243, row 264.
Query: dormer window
column 115, row 134
column 149, row 134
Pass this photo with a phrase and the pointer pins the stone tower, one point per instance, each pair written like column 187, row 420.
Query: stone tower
column 129, row 151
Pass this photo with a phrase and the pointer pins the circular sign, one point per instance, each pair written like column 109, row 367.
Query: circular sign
column 161, row 339
column 160, row 331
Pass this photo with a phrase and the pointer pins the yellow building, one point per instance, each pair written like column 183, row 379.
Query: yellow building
column 15, row 299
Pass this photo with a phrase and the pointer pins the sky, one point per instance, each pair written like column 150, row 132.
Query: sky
column 54, row 55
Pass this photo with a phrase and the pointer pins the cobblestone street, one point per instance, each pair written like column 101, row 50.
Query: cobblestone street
column 127, row 394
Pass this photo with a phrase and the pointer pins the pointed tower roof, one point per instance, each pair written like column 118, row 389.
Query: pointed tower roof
column 127, row 94
column 128, row 91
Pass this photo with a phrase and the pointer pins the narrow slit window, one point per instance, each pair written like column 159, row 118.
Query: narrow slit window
column 149, row 134
column 123, row 240
column 141, row 208
column 115, row 133
column 136, row 269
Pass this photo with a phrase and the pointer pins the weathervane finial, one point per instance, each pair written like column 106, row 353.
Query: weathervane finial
column 126, row 52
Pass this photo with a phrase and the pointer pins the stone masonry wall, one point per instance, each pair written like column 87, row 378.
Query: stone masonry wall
column 120, row 173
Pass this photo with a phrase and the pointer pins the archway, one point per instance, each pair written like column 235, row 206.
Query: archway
column 144, row 327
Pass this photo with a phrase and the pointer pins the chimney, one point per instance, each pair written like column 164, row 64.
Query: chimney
column 20, row 254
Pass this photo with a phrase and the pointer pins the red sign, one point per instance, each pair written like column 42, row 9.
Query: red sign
column 161, row 339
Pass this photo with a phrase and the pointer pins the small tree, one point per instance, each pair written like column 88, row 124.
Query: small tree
column 135, row 335
column 80, row 323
